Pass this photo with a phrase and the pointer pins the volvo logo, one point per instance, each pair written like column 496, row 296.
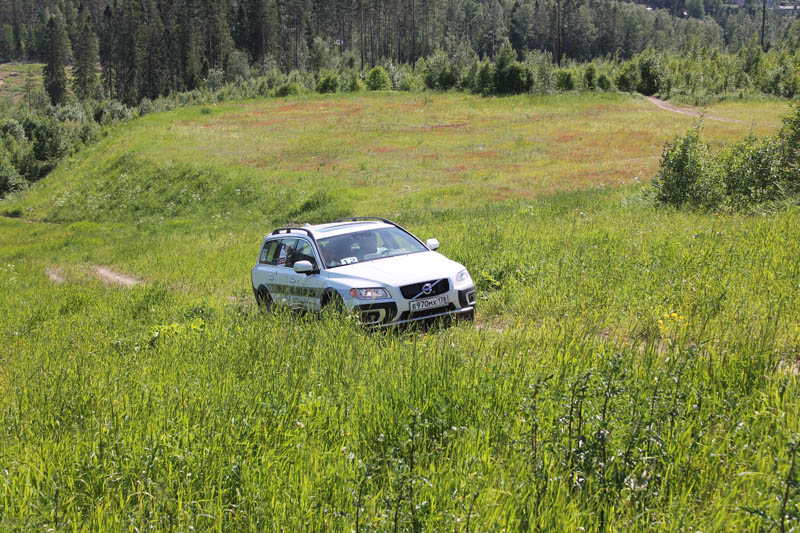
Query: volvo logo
column 427, row 289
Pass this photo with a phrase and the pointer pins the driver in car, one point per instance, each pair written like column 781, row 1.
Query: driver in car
column 367, row 245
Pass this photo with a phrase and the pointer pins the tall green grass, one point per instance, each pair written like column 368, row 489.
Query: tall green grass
column 630, row 368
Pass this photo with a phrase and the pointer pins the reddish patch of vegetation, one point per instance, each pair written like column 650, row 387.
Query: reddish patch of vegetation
column 455, row 125
column 385, row 149
column 481, row 154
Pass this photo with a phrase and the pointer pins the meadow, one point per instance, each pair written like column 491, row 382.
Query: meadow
column 630, row 367
column 13, row 76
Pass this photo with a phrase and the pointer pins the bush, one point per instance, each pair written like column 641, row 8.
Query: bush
column 752, row 171
column 628, row 77
column 469, row 76
column 411, row 83
column 52, row 140
column 10, row 180
column 328, row 83
column 378, row 80
column 354, row 82
column 540, row 71
column 564, row 80
column 13, row 129
column 238, row 66
column 590, row 77
column 790, row 146
column 108, row 112
column 484, row 83
column 289, row 89
column 439, row 73
column 687, row 175
column 509, row 76
column 603, row 82
column 652, row 74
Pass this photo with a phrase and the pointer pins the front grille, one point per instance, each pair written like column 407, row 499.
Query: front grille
column 408, row 315
column 413, row 291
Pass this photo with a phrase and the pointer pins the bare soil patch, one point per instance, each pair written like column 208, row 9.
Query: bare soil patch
column 56, row 275
column 663, row 104
column 115, row 278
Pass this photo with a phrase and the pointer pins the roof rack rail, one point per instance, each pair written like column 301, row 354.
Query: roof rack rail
column 289, row 230
column 356, row 219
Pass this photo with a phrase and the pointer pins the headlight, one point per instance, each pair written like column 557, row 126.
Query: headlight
column 375, row 293
column 463, row 278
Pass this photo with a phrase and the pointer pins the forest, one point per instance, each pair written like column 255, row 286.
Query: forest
column 151, row 48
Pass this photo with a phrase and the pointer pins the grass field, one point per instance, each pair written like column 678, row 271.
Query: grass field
column 13, row 76
column 630, row 368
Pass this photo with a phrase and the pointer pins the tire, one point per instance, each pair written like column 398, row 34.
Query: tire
column 469, row 316
column 332, row 301
column 263, row 298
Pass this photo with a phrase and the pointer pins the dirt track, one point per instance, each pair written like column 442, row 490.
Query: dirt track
column 115, row 278
column 106, row 275
column 666, row 106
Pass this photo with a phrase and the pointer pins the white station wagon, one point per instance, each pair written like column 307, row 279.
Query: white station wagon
column 369, row 266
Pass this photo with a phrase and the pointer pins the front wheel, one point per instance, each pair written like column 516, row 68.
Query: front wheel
column 333, row 301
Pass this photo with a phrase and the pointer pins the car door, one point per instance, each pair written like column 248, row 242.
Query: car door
column 264, row 272
column 307, row 288
column 285, row 276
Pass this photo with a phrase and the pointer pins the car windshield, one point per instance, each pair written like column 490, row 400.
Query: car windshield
column 368, row 245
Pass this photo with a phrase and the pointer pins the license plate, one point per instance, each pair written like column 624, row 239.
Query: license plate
column 429, row 303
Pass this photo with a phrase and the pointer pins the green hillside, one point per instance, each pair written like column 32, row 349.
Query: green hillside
column 630, row 367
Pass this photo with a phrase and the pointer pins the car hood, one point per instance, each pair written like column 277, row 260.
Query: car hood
column 400, row 270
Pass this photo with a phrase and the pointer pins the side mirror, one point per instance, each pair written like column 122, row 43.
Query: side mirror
column 433, row 244
column 304, row 267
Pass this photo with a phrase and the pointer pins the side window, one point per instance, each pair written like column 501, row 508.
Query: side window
column 283, row 257
column 303, row 252
column 269, row 252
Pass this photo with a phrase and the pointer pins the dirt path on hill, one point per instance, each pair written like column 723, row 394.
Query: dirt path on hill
column 666, row 106
column 106, row 275
column 114, row 278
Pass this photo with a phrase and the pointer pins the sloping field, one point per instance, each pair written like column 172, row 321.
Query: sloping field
column 630, row 368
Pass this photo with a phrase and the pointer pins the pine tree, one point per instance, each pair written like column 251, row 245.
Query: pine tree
column 55, row 75
column 86, row 52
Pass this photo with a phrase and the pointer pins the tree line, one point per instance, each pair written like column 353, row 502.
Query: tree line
column 151, row 48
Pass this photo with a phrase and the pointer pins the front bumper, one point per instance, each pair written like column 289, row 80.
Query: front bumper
column 397, row 312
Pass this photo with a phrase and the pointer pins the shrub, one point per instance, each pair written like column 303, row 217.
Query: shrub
column 540, row 71
column 628, row 77
column 108, row 112
column 652, row 74
column 469, row 76
column 411, row 83
column 328, row 83
column 686, row 175
column 378, row 80
column 564, row 80
column 790, row 146
column 354, row 82
column 590, row 77
column 289, row 89
column 52, row 140
column 439, row 73
column 484, row 82
column 751, row 171
column 10, row 180
column 509, row 76
column 238, row 66
column 13, row 129
column 603, row 82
